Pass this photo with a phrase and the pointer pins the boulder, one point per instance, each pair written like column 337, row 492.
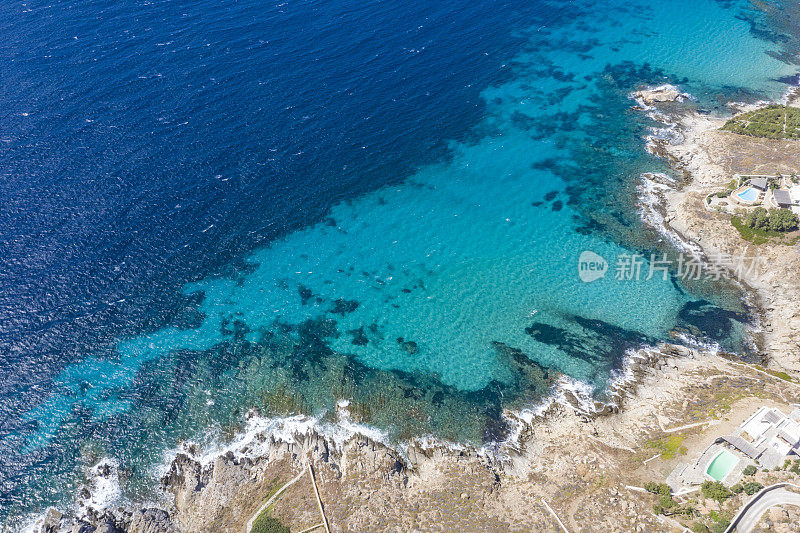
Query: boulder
column 664, row 93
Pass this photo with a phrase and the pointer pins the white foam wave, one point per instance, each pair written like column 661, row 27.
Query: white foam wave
column 259, row 431
column 650, row 206
column 104, row 488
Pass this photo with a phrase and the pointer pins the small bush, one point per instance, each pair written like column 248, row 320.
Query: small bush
column 715, row 490
column 661, row 489
column 750, row 470
column 721, row 521
column 720, row 527
column 657, row 509
column 666, row 502
column 699, row 527
column 267, row 524
column 737, row 489
column 752, row 487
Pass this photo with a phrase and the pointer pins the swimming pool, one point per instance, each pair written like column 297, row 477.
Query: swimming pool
column 749, row 195
column 721, row 465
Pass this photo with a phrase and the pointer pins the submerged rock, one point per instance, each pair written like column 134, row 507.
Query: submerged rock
column 409, row 346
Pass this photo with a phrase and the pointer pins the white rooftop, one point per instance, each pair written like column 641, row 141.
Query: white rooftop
column 771, row 429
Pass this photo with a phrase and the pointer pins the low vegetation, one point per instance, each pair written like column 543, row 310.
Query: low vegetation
column 267, row 524
column 748, row 488
column 779, row 220
column 666, row 504
column 669, row 446
column 715, row 491
column 662, row 489
column 772, row 122
column 778, row 374
column 720, row 521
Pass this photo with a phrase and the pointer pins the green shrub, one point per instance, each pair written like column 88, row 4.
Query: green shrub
column 267, row 524
column 758, row 218
column 737, row 489
column 721, row 520
column 752, row 487
column 661, row 489
column 750, row 470
column 699, row 527
column 657, row 509
column 772, row 122
column 720, row 527
column 715, row 490
column 666, row 502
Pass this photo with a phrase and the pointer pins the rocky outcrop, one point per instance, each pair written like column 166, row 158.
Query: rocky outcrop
column 221, row 493
column 664, row 93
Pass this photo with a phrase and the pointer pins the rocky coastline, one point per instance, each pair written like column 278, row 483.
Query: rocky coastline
column 208, row 492
column 708, row 158
column 573, row 458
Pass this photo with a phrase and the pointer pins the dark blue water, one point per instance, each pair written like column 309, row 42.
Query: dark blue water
column 145, row 145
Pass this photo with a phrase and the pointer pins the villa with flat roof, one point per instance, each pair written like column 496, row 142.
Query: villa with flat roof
column 765, row 440
column 767, row 437
column 759, row 183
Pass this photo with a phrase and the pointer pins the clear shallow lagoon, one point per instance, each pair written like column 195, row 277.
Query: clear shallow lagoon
column 355, row 209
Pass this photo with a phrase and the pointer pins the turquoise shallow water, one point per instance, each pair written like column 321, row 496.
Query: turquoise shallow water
column 438, row 301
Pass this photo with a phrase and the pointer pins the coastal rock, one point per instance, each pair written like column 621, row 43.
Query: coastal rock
column 664, row 93
column 151, row 521
column 52, row 520
column 82, row 527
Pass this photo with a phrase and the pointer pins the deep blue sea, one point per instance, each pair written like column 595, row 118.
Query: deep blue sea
column 212, row 206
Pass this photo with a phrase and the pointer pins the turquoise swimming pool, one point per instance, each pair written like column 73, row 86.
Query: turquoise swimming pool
column 721, row 465
column 749, row 195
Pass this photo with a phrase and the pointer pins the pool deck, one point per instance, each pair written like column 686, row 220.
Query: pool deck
column 692, row 474
column 741, row 201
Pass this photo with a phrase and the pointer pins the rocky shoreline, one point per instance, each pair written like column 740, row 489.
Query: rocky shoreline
column 708, row 158
column 220, row 493
column 573, row 456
